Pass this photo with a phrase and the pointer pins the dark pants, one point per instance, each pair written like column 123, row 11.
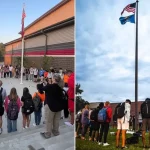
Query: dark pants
column 4, row 74
column 78, row 127
column 10, row 73
column 104, row 130
column 84, row 129
column 37, row 117
column 66, row 113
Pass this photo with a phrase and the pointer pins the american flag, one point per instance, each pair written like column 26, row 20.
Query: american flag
column 22, row 22
column 129, row 8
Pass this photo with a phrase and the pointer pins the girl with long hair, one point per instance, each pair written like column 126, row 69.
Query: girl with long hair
column 12, row 107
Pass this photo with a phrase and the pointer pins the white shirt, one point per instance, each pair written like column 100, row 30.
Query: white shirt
column 31, row 70
column 11, row 68
column 127, row 110
column 49, row 75
column 35, row 71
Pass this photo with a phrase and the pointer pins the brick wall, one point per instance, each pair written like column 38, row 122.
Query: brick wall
column 56, row 62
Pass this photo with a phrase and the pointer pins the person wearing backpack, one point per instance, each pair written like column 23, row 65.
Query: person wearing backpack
column 122, row 112
column 145, row 112
column 95, row 125
column 12, row 107
column 27, row 107
column 38, row 99
column 104, row 117
column 2, row 98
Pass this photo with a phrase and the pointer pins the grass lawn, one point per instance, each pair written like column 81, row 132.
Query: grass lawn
column 88, row 145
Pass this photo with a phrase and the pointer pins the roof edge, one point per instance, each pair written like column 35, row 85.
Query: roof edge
column 30, row 35
column 47, row 13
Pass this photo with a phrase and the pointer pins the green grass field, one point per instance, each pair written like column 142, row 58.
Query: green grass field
column 89, row 145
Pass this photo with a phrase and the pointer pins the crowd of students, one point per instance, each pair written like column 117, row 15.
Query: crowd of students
column 31, row 73
column 51, row 94
column 95, row 123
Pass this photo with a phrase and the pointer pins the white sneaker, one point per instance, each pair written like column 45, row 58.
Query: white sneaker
column 99, row 143
column 26, row 127
column 34, row 124
column 106, row 144
column 68, row 124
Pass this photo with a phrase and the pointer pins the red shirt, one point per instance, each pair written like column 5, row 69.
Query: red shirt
column 109, row 114
column 71, row 87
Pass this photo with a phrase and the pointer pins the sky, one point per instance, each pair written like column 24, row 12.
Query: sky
column 11, row 13
column 105, row 51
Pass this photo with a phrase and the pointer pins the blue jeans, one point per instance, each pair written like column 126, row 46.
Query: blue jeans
column 37, row 117
column 11, row 125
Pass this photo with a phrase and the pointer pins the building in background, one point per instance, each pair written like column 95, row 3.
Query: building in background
column 50, row 35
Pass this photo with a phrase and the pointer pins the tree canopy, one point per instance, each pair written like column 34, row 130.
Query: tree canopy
column 80, row 102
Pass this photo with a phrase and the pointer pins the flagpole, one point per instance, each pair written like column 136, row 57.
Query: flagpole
column 22, row 53
column 22, row 60
column 136, row 69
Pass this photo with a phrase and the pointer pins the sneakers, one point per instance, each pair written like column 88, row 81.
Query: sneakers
column 106, row 144
column 34, row 124
column 26, row 127
column 124, row 147
column 68, row 124
column 99, row 143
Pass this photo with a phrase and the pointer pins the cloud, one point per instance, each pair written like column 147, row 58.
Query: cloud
column 105, row 51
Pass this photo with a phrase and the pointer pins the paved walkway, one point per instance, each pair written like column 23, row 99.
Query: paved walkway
column 8, row 83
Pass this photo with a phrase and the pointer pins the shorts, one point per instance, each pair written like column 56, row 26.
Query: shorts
column 145, row 124
column 1, row 111
column 122, row 124
column 71, row 105
column 35, row 76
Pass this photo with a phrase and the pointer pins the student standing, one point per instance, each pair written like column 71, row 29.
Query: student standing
column 27, row 107
column 2, row 98
column 105, row 126
column 123, row 124
column 38, row 99
column 12, row 108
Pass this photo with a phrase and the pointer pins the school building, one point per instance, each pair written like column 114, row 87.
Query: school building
column 52, row 35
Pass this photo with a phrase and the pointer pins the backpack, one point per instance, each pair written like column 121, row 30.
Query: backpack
column 28, row 107
column 64, row 99
column 64, row 95
column 145, row 109
column 78, row 117
column 93, row 115
column 102, row 115
column 13, row 110
column 37, row 103
column 120, row 110
column 1, row 98
column 132, row 140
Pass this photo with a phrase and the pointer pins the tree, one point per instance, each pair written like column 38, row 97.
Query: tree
column 80, row 103
column 18, row 61
column 2, row 51
column 78, row 90
column 46, row 62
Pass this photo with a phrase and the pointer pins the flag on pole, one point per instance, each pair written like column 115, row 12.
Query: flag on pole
column 130, row 19
column 129, row 8
column 22, row 22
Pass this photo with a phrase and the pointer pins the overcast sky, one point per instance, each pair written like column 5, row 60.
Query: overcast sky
column 11, row 13
column 105, row 50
